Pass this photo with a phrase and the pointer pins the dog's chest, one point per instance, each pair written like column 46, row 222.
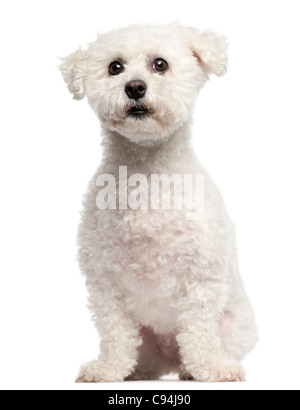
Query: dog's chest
column 153, row 253
column 154, row 244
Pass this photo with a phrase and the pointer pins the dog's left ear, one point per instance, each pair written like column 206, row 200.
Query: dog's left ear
column 73, row 71
column 210, row 49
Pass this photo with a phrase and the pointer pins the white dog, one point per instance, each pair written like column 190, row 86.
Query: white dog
column 165, row 290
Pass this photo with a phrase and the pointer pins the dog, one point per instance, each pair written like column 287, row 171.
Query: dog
column 164, row 289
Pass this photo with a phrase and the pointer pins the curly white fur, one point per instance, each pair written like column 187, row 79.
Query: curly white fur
column 165, row 292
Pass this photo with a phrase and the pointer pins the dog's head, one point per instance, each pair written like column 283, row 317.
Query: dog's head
column 142, row 81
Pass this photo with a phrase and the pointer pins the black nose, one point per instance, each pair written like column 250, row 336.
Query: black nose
column 135, row 89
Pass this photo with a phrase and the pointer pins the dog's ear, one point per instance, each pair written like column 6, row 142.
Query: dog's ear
column 210, row 49
column 73, row 71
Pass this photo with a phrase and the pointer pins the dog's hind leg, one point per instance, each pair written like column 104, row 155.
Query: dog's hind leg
column 238, row 330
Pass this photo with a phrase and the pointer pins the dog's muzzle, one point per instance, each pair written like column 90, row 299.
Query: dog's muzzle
column 136, row 90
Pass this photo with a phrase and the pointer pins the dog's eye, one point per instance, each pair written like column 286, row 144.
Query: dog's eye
column 160, row 65
column 115, row 68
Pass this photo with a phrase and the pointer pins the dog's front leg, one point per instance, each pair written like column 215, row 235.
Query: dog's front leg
column 120, row 340
column 202, row 355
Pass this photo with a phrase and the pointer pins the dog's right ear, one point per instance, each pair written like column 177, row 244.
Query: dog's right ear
column 73, row 71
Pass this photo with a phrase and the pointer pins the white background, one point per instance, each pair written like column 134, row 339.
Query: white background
column 246, row 133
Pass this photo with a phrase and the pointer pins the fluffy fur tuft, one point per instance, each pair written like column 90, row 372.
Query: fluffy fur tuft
column 73, row 71
column 211, row 49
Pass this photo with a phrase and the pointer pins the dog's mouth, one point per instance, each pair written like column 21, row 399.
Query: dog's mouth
column 139, row 111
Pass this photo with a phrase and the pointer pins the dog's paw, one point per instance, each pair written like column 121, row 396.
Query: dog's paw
column 229, row 374
column 224, row 372
column 98, row 372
